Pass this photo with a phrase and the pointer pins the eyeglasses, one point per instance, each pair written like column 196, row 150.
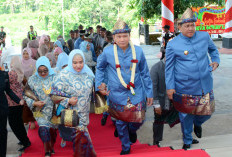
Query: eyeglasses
column 44, row 71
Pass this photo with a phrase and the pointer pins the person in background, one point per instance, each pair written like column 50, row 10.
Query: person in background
column 108, row 39
column 28, row 66
column 16, row 76
column 85, row 48
column 71, row 40
column 91, row 32
column 100, row 41
column 80, row 28
column 25, row 42
column 43, row 50
column 56, row 52
column 96, row 37
column 34, row 46
column 40, row 84
column 4, row 109
column 2, row 37
column 167, row 36
column 52, row 59
column 79, row 40
column 58, row 44
column 62, row 62
column 76, row 35
column 65, row 48
column 31, row 35
column 163, row 108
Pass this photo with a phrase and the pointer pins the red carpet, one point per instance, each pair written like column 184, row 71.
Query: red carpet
column 106, row 145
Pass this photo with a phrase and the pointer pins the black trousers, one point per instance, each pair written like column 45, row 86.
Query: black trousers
column 16, row 124
column 158, row 129
column 3, row 134
column 157, row 132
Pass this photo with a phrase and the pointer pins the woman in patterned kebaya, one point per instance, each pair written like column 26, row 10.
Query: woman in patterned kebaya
column 40, row 84
column 76, row 80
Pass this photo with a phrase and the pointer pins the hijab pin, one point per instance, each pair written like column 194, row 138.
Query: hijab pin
column 186, row 52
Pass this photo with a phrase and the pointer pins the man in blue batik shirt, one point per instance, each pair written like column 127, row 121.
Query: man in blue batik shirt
column 188, row 76
column 126, row 103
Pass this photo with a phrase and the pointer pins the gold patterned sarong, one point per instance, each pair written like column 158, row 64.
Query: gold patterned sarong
column 196, row 105
column 129, row 112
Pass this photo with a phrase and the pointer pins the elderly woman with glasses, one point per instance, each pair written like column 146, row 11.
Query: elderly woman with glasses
column 40, row 84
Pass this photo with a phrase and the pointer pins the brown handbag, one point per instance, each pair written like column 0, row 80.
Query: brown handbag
column 29, row 93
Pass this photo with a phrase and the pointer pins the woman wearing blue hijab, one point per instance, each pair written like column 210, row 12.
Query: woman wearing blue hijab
column 40, row 84
column 85, row 47
column 77, row 80
column 58, row 44
column 62, row 62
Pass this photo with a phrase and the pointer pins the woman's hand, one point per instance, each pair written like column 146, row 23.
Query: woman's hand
column 22, row 102
column 39, row 104
column 73, row 101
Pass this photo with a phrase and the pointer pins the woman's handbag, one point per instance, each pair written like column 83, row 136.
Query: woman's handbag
column 69, row 117
column 29, row 93
column 100, row 104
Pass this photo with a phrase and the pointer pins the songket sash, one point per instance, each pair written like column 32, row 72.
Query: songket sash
column 82, row 143
column 129, row 112
column 196, row 105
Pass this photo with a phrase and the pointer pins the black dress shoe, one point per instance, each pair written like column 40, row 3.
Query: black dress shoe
column 115, row 132
column 47, row 154
column 186, row 146
column 195, row 141
column 157, row 143
column 123, row 152
column 133, row 137
column 24, row 147
column 198, row 131
column 52, row 152
column 103, row 120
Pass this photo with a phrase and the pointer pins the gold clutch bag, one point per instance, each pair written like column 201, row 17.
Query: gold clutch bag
column 69, row 118
column 100, row 104
column 28, row 92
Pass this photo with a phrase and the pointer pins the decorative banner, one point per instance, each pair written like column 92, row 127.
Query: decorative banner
column 210, row 19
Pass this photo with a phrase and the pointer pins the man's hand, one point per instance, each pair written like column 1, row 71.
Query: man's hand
column 214, row 65
column 158, row 110
column 149, row 101
column 103, row 89
column 170, row 93
column 73, row 101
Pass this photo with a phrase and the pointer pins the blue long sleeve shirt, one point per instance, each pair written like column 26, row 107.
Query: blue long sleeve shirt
column 190, row 74
column 118, row 93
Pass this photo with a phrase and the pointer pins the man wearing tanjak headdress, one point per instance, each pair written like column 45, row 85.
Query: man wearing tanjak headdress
column 129, row 84
column 188, row 76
